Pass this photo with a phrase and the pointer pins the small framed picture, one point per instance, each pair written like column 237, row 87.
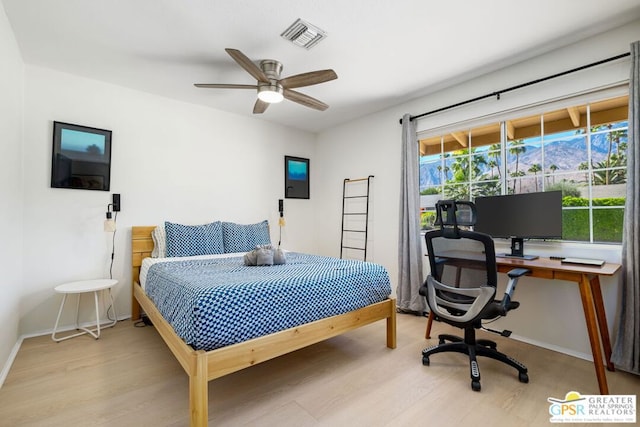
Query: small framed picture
column 81, row 157
column 296, row 177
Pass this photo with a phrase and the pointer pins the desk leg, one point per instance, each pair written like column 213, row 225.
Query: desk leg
column 602, row 320
column 592, row 329
column 427, row 333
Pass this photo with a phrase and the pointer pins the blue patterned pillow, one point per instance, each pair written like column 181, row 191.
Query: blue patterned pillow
column 188, row 240
column 244, row 238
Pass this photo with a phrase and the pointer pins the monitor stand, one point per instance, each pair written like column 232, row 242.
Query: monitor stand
column 517, row 250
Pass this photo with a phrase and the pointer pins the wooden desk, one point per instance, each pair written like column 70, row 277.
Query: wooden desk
column 588, row 280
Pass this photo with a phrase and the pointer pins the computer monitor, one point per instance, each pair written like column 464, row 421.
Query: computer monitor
column 519, row 217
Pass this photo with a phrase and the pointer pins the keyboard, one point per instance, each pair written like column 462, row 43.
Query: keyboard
column 583, row 261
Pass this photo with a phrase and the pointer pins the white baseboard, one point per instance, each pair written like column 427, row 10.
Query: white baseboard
column 14, row 351
column 583, row 356
column 10, row 359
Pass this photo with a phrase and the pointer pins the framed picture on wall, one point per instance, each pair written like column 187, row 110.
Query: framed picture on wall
column 296, row 177
column 81, row 157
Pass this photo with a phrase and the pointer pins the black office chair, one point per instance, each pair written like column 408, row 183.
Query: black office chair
column 461, row 288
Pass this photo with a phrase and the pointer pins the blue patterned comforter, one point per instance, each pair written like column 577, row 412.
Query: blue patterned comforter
column 213, row 303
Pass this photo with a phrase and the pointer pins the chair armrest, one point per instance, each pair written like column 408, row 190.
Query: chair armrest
column 518, row 272
column 514, row 275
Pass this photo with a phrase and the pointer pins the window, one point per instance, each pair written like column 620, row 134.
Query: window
column 581, row 150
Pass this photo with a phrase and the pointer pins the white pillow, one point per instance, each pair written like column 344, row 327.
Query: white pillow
column 159, row 237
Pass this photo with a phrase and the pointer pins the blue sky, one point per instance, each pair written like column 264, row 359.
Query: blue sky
column 297, row 170
column 74, row 140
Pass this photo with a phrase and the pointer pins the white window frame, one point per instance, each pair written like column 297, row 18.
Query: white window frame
column 610, row 250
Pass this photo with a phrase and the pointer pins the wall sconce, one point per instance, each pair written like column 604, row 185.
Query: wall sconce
column 110, row 221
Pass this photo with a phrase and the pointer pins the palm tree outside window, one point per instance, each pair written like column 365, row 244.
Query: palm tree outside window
column 580, row 150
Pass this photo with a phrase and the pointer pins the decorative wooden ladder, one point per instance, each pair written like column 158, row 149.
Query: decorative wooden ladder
column 355, row 215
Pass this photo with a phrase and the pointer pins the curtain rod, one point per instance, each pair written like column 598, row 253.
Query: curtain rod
column 532, row 82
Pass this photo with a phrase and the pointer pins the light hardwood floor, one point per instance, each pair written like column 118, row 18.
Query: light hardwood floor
column 129, row 378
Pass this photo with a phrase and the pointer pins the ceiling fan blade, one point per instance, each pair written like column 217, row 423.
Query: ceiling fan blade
column 308, row 79
column 224, row 86
column 305, row 100
column 260, row 106
column 248, row 65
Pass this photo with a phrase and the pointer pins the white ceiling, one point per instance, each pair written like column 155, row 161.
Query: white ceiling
column 384, row 52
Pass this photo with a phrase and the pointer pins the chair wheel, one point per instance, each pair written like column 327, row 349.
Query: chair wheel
column 425, row 360
column 523, row 377
column 475, row 385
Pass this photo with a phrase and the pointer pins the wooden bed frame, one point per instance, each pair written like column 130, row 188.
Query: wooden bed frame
column 203, row 366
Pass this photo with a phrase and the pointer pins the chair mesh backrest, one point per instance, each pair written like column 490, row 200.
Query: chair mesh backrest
column 459, row 257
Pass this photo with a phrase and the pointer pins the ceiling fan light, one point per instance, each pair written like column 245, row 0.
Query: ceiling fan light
column 271, row 93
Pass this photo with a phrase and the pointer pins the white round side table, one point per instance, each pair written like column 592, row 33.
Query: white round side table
column 84, row 286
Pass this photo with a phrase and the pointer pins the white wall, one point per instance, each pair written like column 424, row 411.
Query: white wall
column 170, row 161
column 368, row 146
column 191, row 164
column 551, row 312
column 11, row 283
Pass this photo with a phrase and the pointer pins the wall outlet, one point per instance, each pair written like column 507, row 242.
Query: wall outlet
column 116, row 203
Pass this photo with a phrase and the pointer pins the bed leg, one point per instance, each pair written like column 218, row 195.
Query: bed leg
column 391, row 325
column 198, row 391
column 135, row 309
column 135, row 305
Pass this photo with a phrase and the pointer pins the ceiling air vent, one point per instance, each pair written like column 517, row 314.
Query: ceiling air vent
column 303, row 34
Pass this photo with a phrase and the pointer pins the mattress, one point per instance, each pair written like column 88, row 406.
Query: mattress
column 215, row 301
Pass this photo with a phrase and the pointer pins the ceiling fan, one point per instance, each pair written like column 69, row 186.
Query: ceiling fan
column 271, row 88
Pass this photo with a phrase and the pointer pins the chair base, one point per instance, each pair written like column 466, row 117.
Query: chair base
column 473, row 348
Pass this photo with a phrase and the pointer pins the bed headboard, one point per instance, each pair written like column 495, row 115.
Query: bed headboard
column 141, row 247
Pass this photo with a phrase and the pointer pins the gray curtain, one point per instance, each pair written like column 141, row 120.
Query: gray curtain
column 409, row 242
column 626, row 351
